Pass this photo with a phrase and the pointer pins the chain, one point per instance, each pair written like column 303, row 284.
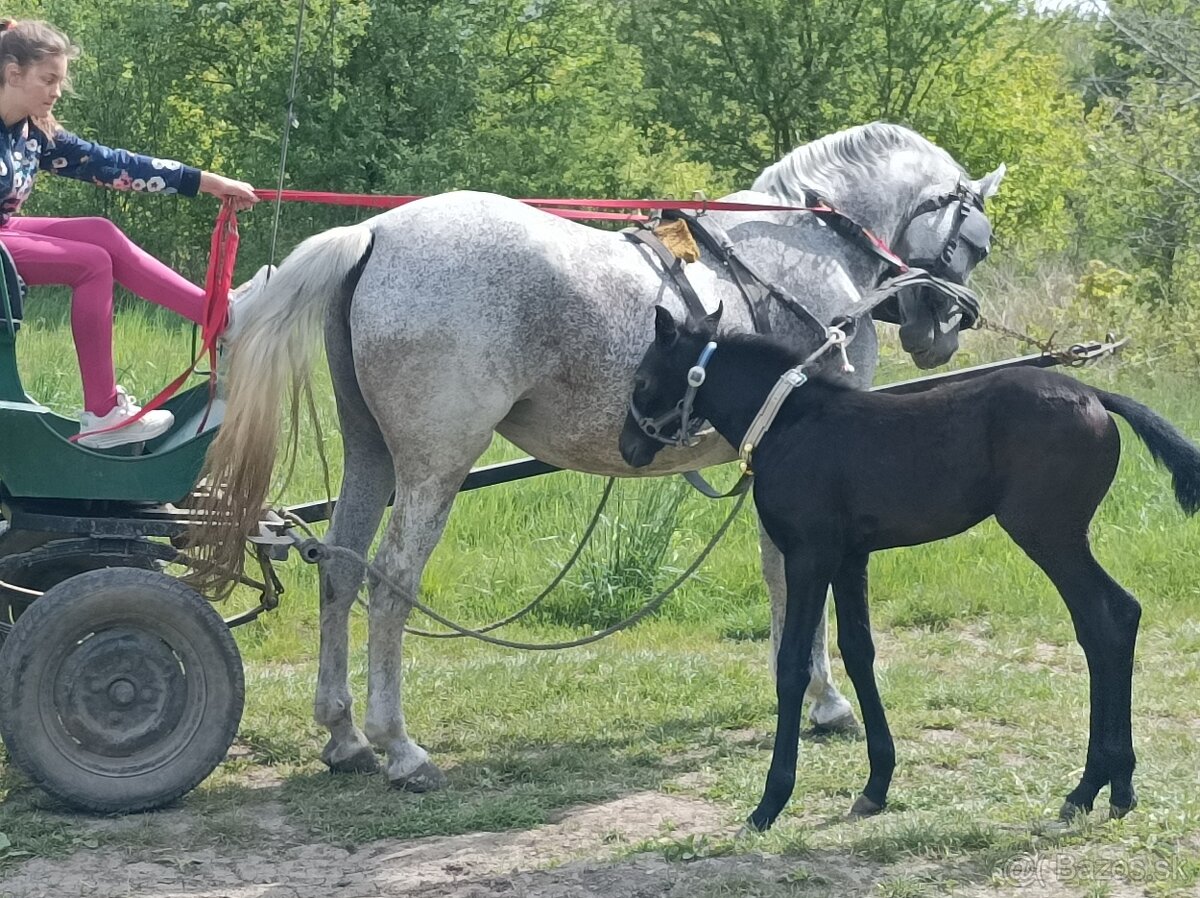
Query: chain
column 1076, row 355
column 1043, row 346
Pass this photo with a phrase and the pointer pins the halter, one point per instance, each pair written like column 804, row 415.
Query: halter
column 837, row 337
column 685, row 435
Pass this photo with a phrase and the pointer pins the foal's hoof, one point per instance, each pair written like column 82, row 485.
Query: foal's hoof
column 864, row 807
column 753, row 827
column 426, row 778
column 1116, row 812
column 1070, row 812
column 362, row 761
column 748, row 831
column 845, row 725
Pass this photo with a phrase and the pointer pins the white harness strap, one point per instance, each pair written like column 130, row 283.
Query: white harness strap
column 788, row 381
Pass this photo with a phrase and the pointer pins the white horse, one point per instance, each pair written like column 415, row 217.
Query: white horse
column 467, row 313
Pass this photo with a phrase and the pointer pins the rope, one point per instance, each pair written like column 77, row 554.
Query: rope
column 566, row 569
column 1043, row 346
column 385, row 201
column 313, row 550
column 12, row 587
column 289, row 120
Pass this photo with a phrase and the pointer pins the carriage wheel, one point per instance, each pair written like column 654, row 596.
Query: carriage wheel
column 120, row 690
column 37, row 561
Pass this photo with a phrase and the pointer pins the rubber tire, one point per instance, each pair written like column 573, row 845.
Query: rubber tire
column 52, row 569
column 176, row 621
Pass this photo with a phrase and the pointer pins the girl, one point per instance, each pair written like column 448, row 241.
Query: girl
column 87, row 254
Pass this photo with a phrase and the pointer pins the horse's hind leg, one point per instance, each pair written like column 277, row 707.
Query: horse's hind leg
column 367, row 483
column 423, row 501
column 365, row 491
column 1106, row 622
column 830, row 713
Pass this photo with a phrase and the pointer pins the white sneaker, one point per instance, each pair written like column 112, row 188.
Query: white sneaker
column 152, row 424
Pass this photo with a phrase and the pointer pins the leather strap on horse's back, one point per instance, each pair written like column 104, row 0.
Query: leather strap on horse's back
column 750, row 284
column 674, row 267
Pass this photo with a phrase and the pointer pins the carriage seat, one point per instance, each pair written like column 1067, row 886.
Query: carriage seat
column 14, row 286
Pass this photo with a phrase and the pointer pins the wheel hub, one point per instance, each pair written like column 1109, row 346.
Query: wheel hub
column 120, row 691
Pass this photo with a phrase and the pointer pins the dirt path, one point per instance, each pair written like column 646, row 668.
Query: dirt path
column 583, row 853
column 558, row 859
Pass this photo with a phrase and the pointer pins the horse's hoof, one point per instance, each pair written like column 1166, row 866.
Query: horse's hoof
column 753, row 828
column 1070, row 812
column 748, row 831
column 426, row 778
column 845, row 725
column 362, row 761
column 1116, row 812
column 864, row 807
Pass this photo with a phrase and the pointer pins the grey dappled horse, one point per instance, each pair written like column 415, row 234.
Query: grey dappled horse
column 468, row 313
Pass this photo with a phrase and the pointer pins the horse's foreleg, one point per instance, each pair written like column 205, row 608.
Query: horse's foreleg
column 830, row 712
column 365, row 490
column 808, row 583
column 858, row 653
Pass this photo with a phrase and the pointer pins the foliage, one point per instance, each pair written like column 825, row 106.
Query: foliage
column 1093, row 111
column 746, row 82
column 1142, row 203
column 1010, row 102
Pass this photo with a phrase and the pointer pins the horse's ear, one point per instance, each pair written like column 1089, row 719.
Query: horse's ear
column 665, row 329
column 711, row 321
column 988, row 185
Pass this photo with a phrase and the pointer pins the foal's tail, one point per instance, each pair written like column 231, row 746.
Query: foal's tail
column 273, row 347
column 1167, row 445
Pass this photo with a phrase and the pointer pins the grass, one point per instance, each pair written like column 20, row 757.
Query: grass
column 985, row 686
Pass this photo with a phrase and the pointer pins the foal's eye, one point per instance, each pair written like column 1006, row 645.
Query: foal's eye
column 640, row 384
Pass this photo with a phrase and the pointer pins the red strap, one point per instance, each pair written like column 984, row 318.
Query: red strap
column 223, row 255
column 217, row 284
column 550, row 204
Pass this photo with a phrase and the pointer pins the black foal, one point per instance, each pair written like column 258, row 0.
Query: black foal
column 843, row 473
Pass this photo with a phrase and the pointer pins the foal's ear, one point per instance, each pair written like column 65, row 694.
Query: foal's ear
column 987, row 186
column 711, row 321
column 665, row 329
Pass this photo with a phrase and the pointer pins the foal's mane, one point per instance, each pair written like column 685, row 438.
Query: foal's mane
column 773, row 351
column 823, row 164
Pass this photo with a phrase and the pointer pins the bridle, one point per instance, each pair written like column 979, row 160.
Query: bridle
column 970, row 230
column 687, row 429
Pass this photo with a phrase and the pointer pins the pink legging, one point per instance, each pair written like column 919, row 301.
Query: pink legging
column 88, row 255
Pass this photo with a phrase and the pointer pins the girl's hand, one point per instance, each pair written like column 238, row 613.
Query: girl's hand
column 241, row 193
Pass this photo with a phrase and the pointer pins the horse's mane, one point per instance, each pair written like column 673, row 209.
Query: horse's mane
column 823, row 164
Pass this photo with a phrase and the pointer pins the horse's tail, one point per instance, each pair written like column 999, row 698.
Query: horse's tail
column 277, row 333
column 1168, row 446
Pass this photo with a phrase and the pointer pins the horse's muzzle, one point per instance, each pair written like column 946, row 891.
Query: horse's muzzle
column 637, row 449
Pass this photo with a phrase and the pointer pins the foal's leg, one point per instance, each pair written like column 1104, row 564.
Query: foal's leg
column 830, row 712
column 808, row 575
column 858, row 653
column 1106, row 622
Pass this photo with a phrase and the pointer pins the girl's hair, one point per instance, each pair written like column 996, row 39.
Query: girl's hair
column 27, row 42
